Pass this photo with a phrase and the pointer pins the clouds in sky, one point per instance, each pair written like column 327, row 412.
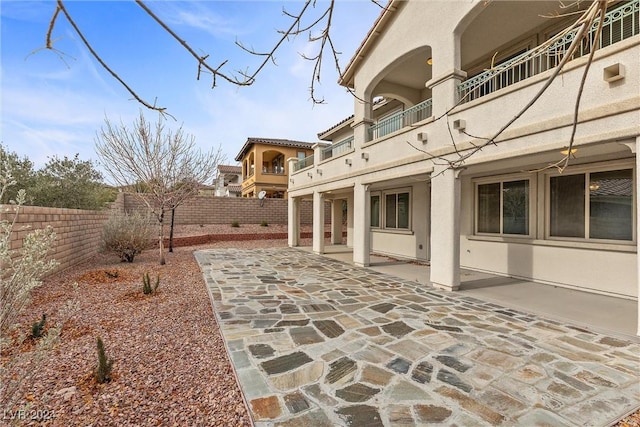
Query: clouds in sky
column 51, row 108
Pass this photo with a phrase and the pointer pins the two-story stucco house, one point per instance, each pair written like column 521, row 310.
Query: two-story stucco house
column 432, row 80
column 228, row 182
column 264, row 166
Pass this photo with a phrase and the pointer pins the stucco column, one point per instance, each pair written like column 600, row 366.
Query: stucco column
column 445, row 229
column 362, row 119
column 635, row 150
column 362, row 223
column 444, row 90
column 318, row 222
column 293, row 221
column 336, row 222
column 350, row 220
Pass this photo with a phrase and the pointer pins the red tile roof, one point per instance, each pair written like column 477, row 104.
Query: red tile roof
column 272, row 141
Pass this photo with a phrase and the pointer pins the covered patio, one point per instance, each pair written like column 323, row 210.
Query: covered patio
column 595, row 312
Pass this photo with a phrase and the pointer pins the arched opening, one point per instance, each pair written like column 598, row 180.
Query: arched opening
column 273, row 162
column 399, row 93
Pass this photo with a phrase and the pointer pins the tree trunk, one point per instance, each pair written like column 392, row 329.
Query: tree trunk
column 173, row 214
column 161, row 238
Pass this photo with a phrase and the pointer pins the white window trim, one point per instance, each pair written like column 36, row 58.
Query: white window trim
column 501, row 179
column 587, row 169
column 383, row 207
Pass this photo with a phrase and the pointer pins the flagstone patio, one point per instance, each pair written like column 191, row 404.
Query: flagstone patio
column 317, row 342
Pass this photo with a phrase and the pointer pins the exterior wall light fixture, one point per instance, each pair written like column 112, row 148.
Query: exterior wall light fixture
column 347, row 162
column 319, row 171
column 364, row 156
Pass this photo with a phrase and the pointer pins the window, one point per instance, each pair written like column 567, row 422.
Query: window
column 396, row 210
column 375, row 210
column 503, row 207
column 302, row 155
column 592, row 205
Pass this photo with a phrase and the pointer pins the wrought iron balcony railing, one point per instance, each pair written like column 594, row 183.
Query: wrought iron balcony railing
column 399, row 120
column 619, row 24
column 337, row 148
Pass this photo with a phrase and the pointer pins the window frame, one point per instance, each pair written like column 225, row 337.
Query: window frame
column 383, row 209
column 371, row 196
column 587, row 170
column 501, row 179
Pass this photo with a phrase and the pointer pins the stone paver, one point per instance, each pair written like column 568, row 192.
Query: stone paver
column 315, row 341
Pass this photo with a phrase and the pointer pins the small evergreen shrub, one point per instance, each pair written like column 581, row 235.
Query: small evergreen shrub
column 113, row 274
column 147, row 288
column 235, row 224
column 264, row 224
column 127, row 235
column 103, row 371
column 37, row 328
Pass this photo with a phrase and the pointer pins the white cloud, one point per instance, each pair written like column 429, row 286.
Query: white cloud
column 198, row 16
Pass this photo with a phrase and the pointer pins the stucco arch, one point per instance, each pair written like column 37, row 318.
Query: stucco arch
column 484, row 29
column 403, row 78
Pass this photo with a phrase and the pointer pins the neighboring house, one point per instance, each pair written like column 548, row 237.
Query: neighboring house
column 423, row 98
column 228, row 182
column 206, row 190
column 264, row 165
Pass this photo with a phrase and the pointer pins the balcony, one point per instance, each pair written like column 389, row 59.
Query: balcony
column 303, row 163
column 619, row 24
column 276, row 170
column 338, row 148
column 402, row 119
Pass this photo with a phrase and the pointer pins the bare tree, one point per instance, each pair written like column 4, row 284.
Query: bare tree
column 165, row 162
column 318, row 30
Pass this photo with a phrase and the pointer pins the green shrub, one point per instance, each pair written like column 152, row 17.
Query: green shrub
column 235, row 224
column 127, row 235
column 264, row 224
column 38, row 327
column 103, row 371
column 147, row 289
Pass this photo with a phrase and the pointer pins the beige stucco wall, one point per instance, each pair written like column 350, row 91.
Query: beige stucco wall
column 610, row 116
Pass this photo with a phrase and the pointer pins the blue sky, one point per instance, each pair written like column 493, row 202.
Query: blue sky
column 53, row 106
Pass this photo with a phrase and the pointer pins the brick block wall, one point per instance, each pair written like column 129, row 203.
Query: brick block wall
column 78, row 232
column 224, row 210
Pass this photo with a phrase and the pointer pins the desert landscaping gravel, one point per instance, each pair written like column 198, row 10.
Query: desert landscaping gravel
column 170, row 364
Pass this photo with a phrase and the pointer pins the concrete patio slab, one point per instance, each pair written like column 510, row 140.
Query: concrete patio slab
column 602, row 313
column 315, row 341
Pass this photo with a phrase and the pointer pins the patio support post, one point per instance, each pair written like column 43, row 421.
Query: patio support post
column 635, row 150
column 336, row 222
column 318, row 222
column 445, row 229
column 293, row 223
column 361, row 234
column 350, row 220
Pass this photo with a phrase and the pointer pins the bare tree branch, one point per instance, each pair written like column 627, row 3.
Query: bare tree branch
column 583, row 25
